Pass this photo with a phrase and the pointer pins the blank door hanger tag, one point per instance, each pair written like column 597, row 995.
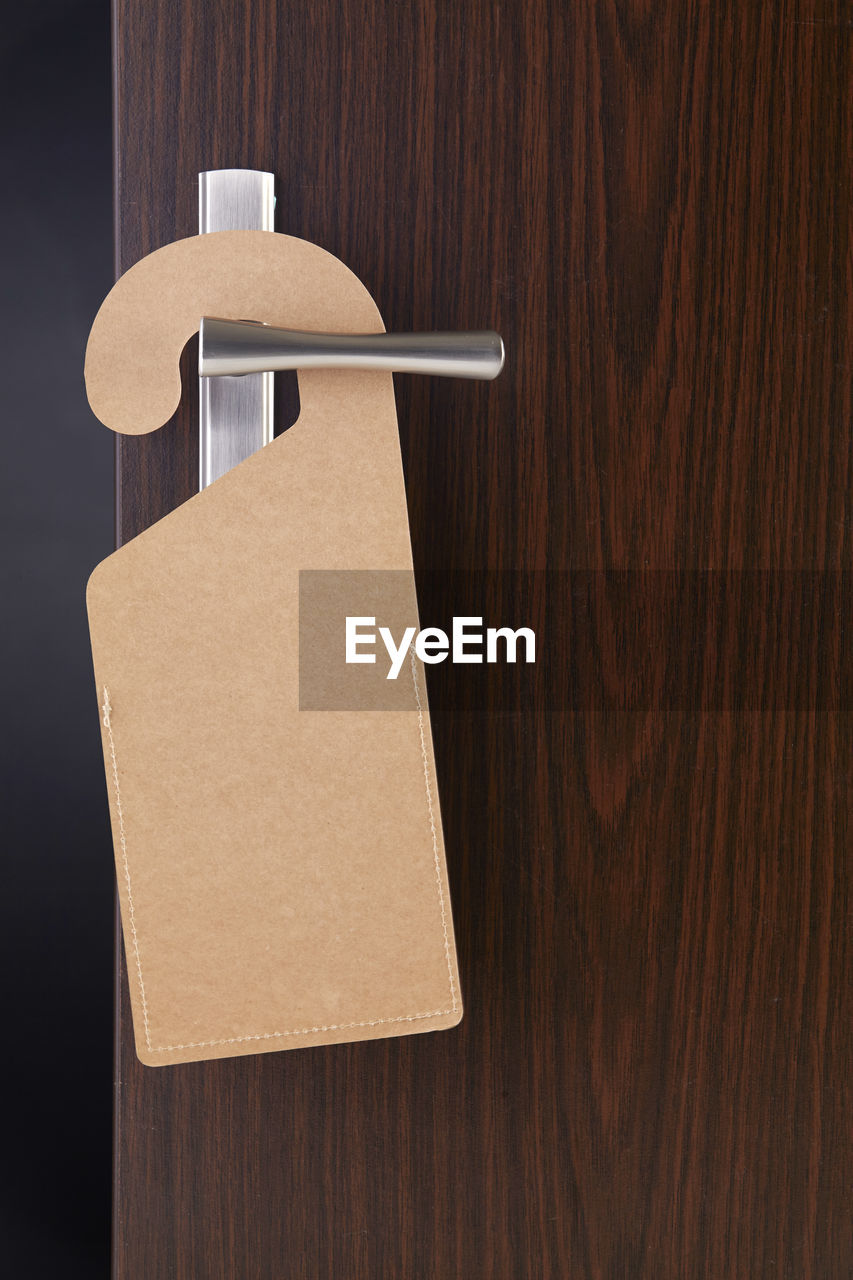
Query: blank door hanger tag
column 281, row 871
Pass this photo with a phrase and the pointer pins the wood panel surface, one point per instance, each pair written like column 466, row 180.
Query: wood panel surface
column 648, row 836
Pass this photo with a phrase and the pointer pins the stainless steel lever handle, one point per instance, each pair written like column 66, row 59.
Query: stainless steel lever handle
column 228, row 347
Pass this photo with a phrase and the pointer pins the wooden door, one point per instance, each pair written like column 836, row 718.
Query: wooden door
column 648, row 841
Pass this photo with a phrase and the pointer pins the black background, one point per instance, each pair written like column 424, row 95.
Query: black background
column 56, row 918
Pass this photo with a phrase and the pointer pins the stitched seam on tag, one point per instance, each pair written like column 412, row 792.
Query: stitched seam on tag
column 306, row 1031
column 434, row 832
column 302, row 1031
column 123, row 843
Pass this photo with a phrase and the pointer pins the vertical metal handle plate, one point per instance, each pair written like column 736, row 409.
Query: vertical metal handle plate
column 235, row 414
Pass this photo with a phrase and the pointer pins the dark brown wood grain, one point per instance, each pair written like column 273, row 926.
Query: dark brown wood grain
column 649, row 839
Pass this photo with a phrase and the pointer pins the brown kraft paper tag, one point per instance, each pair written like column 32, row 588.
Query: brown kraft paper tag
column 281, row 872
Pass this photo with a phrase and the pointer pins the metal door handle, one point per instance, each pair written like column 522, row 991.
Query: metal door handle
column 229, row 347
